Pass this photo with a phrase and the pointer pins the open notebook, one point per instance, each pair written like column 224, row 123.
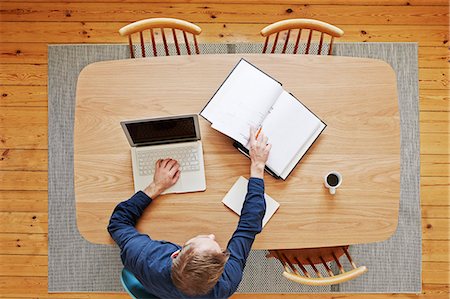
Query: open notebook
column 236, row 196
column 250, row 97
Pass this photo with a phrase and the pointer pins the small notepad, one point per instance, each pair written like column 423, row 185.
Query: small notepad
column 235, row 198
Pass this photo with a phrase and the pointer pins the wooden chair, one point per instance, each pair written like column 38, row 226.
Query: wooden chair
column 296, row 262
column 161, row 23
column 300, row 24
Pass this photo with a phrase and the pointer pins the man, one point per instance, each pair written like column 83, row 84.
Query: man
column 199, row 268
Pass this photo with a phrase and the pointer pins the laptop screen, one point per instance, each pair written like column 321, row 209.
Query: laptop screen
column 162, row 130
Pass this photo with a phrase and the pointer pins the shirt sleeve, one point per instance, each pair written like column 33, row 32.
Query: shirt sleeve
column 250, row 224
column 122, row 228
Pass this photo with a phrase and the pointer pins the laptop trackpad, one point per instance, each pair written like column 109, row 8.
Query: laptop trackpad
column 177, row 187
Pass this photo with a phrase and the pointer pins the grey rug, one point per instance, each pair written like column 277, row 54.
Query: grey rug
column 75, row 265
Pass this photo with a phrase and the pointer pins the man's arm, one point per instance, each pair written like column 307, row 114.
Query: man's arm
column 250, row 224
column 126, row 214
column 252, row 214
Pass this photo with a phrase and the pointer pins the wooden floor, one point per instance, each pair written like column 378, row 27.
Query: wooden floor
column 27, row 27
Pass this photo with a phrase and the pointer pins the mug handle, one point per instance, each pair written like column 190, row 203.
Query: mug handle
column 332, row 190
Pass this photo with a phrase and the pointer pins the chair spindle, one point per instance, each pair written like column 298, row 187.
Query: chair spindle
column 319, row 51
column 142, row 44
column 290, row 264
column 279, row 257
column 166, row 48
column 265, row 45
column 153, row 42
column 174, row 34
column 330, row 49
column 188, row 48
column 298, row 40
column 130, row 42
column 286, row 41
column 349, row 257
column 326, row 267
column 309, row 41
column 275, row 42
column 197, row 50
column 300, row 265
column 338, row 263
column 314, row 267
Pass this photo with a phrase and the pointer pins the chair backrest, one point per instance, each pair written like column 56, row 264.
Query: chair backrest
column 133, row 287
column 169, row 24
column 296, row 27
column 297, row 261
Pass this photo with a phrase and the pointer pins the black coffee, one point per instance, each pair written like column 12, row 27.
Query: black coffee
column 332, row 180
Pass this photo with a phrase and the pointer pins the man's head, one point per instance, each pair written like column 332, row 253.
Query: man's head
column 197, row 267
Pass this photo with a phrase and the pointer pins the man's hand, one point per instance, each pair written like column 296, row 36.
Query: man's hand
column 167, row 173
column 259, row 152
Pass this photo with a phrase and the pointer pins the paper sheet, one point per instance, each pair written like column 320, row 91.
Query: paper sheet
column 235, row 198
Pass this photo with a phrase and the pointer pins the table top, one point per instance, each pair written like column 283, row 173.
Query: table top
column 355, row 97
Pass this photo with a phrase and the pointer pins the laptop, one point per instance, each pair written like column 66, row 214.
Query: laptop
column 176, row 137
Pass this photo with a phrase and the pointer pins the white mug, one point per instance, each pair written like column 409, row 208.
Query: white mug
column 331, row 183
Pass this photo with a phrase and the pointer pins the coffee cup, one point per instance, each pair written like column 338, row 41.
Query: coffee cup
column 332, row 181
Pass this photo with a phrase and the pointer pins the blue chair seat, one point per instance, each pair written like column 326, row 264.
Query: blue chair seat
column 133, row 287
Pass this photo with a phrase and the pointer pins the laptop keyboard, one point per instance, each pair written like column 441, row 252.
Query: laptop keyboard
column 186, row 156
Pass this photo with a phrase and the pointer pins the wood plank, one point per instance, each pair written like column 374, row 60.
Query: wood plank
column 434, row 122
column 22, row 266
column 23, row 222
column 105, row 32
column 23, row 180
column 434, row 100
column 36, row 287
column 23, row 243
column 336, row 2
column 435, row 272
column 14, row 287
column 435, row 78
column 433, row 57
column 17, row 52
column 434, row 144
column 23, row 96
column 435, row 191
column 429, row 57
column 23, row 201
column 435, row 212
column 434, row 165
column 223, row 12
column 435, row 251
column 23, row 128
column 23, row 74
column 26, row 160
column 435, row 229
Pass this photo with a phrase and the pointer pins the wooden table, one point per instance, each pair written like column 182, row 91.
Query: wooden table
column 356, row 97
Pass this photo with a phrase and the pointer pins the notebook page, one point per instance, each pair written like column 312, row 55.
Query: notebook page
column 302, row 151
column 235, row 198
column 289, row 126
column 242, row 101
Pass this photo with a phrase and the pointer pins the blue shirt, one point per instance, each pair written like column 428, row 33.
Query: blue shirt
column 150, row 260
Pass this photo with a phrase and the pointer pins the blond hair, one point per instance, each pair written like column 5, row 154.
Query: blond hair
column 196, row 273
